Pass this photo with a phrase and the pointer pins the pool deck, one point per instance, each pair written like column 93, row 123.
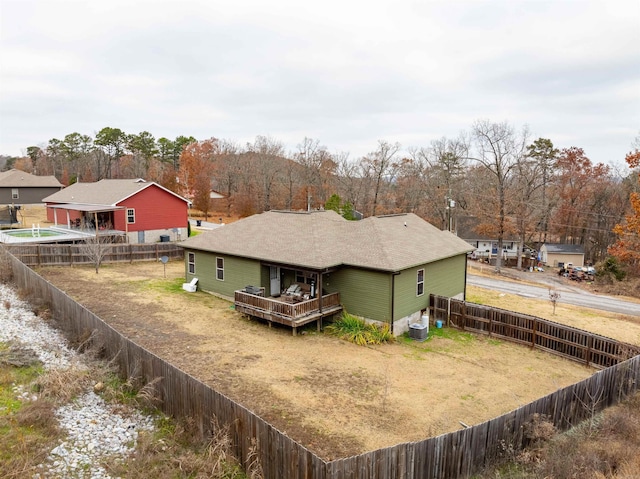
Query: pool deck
column 64, row 234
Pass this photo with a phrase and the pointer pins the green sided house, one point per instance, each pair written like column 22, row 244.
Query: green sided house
column 297, row 267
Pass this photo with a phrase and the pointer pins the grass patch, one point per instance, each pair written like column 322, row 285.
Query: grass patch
column 614, row 325
column 452, row 334
column 171, row 451
column 355, row 330
column 28, row 428
column 173, row 285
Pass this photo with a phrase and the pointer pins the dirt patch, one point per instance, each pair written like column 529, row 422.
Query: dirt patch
column 336, row 398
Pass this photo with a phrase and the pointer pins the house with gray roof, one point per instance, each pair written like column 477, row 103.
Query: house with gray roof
column 485, row 246
column 296, row 267
column 22, row 188
column 559, row 255
column 139, row 211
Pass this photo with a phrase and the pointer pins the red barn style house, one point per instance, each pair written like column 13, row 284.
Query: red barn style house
column 142, row 211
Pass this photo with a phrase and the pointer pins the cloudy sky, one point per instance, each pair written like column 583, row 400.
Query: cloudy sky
column 347, row 73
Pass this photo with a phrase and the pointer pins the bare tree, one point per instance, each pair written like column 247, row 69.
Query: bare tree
column 318, row 165
column 545, row 155
column 498, row 148
column 412, row 191
column 352, row 184
column 527, row 181
column 96, row 248
column 554, row 296
column 380, row 167
column 264, row 151
column 447, row 160
column 227, row 171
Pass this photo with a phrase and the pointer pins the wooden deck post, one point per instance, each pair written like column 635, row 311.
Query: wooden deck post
column 319, row 292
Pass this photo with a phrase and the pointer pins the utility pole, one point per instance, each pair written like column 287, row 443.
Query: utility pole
column 450, row 204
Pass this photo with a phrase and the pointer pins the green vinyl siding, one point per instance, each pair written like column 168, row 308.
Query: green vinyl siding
column 445, row 277
column 362, row 292
column 265, row 281
column 406, row 302
column 238, row 273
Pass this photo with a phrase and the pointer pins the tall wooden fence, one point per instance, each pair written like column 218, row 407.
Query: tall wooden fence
column 572, row 343
column 70, row 254
column 457, row 454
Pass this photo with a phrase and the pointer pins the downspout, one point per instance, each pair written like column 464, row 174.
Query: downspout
column 393, row 296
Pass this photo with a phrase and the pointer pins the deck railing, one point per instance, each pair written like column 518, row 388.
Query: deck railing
column 289, row 310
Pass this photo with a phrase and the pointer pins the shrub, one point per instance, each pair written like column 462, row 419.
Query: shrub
column 357, row 331
column 610, row 267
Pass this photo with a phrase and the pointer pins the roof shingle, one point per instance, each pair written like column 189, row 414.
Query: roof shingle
column 16, row 178
column 323, row 239
column 104, row 192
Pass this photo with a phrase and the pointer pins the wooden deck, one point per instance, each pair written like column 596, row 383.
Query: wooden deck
column 290, row 314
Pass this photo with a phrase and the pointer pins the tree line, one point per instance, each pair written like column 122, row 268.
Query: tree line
column 515, row 187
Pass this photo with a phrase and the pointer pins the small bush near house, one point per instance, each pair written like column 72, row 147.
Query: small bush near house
column 356, row 330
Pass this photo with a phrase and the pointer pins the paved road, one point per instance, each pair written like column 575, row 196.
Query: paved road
column 568, row 295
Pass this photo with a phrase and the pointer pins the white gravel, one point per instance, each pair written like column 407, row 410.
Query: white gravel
column 94, row 430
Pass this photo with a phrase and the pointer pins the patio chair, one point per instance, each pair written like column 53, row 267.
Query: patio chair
column 191, row 286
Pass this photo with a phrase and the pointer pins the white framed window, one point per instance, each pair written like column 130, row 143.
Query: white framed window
column 420, row 283
column 15, row 194
column 191, row 262
column 220, row 268
column 131, row 215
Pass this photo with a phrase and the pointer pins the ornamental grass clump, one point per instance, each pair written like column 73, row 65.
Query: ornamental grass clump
column 357, row 331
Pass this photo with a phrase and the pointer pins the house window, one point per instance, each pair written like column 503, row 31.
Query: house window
column 308, row 278
column 420, row 284
column 131, row 215
column 14, row 194
column 191, row 261
column 220, row 269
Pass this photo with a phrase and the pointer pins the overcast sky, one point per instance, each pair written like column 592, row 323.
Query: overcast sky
column 347, row 73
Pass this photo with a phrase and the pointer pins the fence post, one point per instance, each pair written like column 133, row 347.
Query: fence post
column 589, row 346
column 70, row 256
column 533, row 335
column 130, row 253
column 432, row 309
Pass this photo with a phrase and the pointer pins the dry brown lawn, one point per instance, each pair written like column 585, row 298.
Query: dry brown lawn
column 336, row 398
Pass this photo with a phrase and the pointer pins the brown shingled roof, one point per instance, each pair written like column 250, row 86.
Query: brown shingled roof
column 323, row 239
column 16, row 179
column 103, row 192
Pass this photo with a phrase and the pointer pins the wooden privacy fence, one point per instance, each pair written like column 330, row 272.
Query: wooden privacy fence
column 70, row 254
column 457, row 454
column 571, row 343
